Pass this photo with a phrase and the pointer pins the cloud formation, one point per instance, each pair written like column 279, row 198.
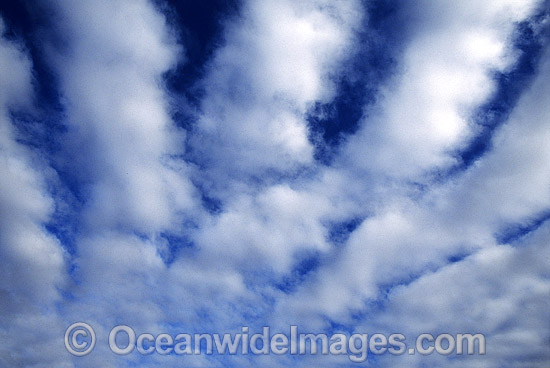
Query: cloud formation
column 204, row 216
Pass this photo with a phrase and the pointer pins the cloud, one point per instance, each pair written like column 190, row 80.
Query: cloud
column 121, row 138
column 444, row 75
column 32, row 267
column 500, row 292
column 395, row 259
column 261, row 83
column 235, row 220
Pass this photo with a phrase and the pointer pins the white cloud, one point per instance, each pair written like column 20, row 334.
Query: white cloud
column 122, row 149
column 500, row 292
column 268, row 231
column 32, row 260
column 120, row 133
column 445, row 74
column 278, row 59
column 511, row 183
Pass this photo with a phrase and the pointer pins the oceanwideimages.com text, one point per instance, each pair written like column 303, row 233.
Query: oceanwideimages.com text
column 80, row 340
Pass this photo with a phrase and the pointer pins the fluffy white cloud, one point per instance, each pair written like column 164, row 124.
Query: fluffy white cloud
column 445, row 73
column 32, row 261
column 121, row 137
column 278, row 59
column 267, row 231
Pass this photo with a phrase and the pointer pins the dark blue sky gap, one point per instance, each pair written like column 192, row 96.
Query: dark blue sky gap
column 25, row 20
column 510, row 86
column 200, row 28
column 340, row 232
column 372, row 63
column 308, row 264
column 176, row 244
column 40, row 126
column 514, row 232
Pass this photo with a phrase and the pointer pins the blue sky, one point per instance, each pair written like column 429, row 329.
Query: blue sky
column 366, row 166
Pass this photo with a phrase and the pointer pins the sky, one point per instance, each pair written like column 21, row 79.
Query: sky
column 352, row 166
